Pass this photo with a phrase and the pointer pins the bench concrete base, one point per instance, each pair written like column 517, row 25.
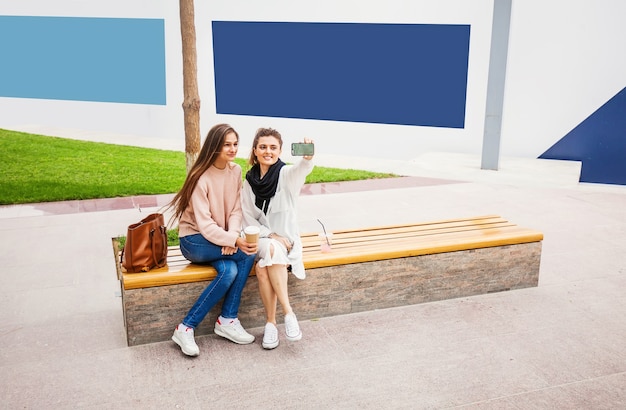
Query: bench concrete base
column 151, row 314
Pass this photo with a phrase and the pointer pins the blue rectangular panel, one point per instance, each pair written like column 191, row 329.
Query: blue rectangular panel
column 85, row 59
column 410, row 74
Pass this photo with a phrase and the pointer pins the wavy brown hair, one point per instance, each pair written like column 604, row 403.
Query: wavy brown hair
column 210, row 151
column 263, row 132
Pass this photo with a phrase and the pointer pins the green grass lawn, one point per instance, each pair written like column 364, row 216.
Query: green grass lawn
column 37, row 168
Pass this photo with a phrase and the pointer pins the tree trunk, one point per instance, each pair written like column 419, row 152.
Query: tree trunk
column 191, row 103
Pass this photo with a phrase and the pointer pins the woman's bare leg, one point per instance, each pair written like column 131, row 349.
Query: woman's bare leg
column 278, row 276
column 268, row 296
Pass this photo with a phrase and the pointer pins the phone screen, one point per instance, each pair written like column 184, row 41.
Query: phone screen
column 299, row 149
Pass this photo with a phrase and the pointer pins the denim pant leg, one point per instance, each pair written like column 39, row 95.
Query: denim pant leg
column 230, row 307
column 197, row 249
column 227, row 282
column 213, row 293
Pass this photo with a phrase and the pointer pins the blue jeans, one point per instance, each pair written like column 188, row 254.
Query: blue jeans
column 232, row 274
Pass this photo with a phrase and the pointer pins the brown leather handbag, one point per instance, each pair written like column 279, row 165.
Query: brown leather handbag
column 146, row 245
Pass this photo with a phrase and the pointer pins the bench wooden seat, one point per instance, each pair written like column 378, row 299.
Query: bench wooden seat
column 357, row 245
column 478, row 255
column 400, row 241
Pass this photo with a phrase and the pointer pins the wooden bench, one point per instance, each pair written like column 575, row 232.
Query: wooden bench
column 373, row 268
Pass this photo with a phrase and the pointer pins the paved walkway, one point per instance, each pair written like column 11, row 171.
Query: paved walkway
column 558, row 346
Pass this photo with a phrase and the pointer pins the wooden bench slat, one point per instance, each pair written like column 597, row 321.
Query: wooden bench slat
column 415, row 229
column 169, row 275
column 462, row 237
column 427, row 225
column 405, row 234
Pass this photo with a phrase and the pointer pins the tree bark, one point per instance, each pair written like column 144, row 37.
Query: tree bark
column 191, row 103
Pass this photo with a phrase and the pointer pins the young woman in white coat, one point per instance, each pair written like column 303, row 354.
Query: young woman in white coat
column 269, row 199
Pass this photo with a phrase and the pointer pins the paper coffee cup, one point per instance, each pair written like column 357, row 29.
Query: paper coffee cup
column 252, row 234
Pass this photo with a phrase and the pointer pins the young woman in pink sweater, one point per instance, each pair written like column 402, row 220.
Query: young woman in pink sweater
column 208, row 208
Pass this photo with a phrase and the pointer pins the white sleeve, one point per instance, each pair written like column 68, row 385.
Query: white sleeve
column 295, row 175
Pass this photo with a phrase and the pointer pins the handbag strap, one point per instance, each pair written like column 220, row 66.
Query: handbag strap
column 163, row 233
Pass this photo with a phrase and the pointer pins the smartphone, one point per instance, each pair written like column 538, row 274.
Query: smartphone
column 299, row 149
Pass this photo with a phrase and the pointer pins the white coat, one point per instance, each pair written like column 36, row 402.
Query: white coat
column 281, row 217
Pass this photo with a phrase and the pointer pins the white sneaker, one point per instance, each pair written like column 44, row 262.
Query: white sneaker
column 233, row 331
column 270, row 337
column 292, row 328
column 183, row 336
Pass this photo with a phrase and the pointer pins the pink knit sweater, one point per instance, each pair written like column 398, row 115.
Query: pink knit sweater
column 215, row 206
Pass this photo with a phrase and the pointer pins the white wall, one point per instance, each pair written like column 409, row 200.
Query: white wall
column 566, row 59
column 127, row 119
column 358, row 139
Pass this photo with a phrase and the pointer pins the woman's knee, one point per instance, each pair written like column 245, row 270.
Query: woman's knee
column 226, row 269
column 261, row 273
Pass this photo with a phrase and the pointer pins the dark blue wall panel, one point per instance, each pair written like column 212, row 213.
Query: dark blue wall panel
column 411, row 74
column 599, row 142
column 84, row 59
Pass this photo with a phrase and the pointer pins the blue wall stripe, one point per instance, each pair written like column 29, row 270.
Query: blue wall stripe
column 86, row 59
column 410, row 74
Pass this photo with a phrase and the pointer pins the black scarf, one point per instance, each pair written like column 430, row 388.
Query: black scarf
column 264, row 188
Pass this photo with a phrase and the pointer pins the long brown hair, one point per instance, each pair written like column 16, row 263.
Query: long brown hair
column 210, row 151
column 263, row 132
